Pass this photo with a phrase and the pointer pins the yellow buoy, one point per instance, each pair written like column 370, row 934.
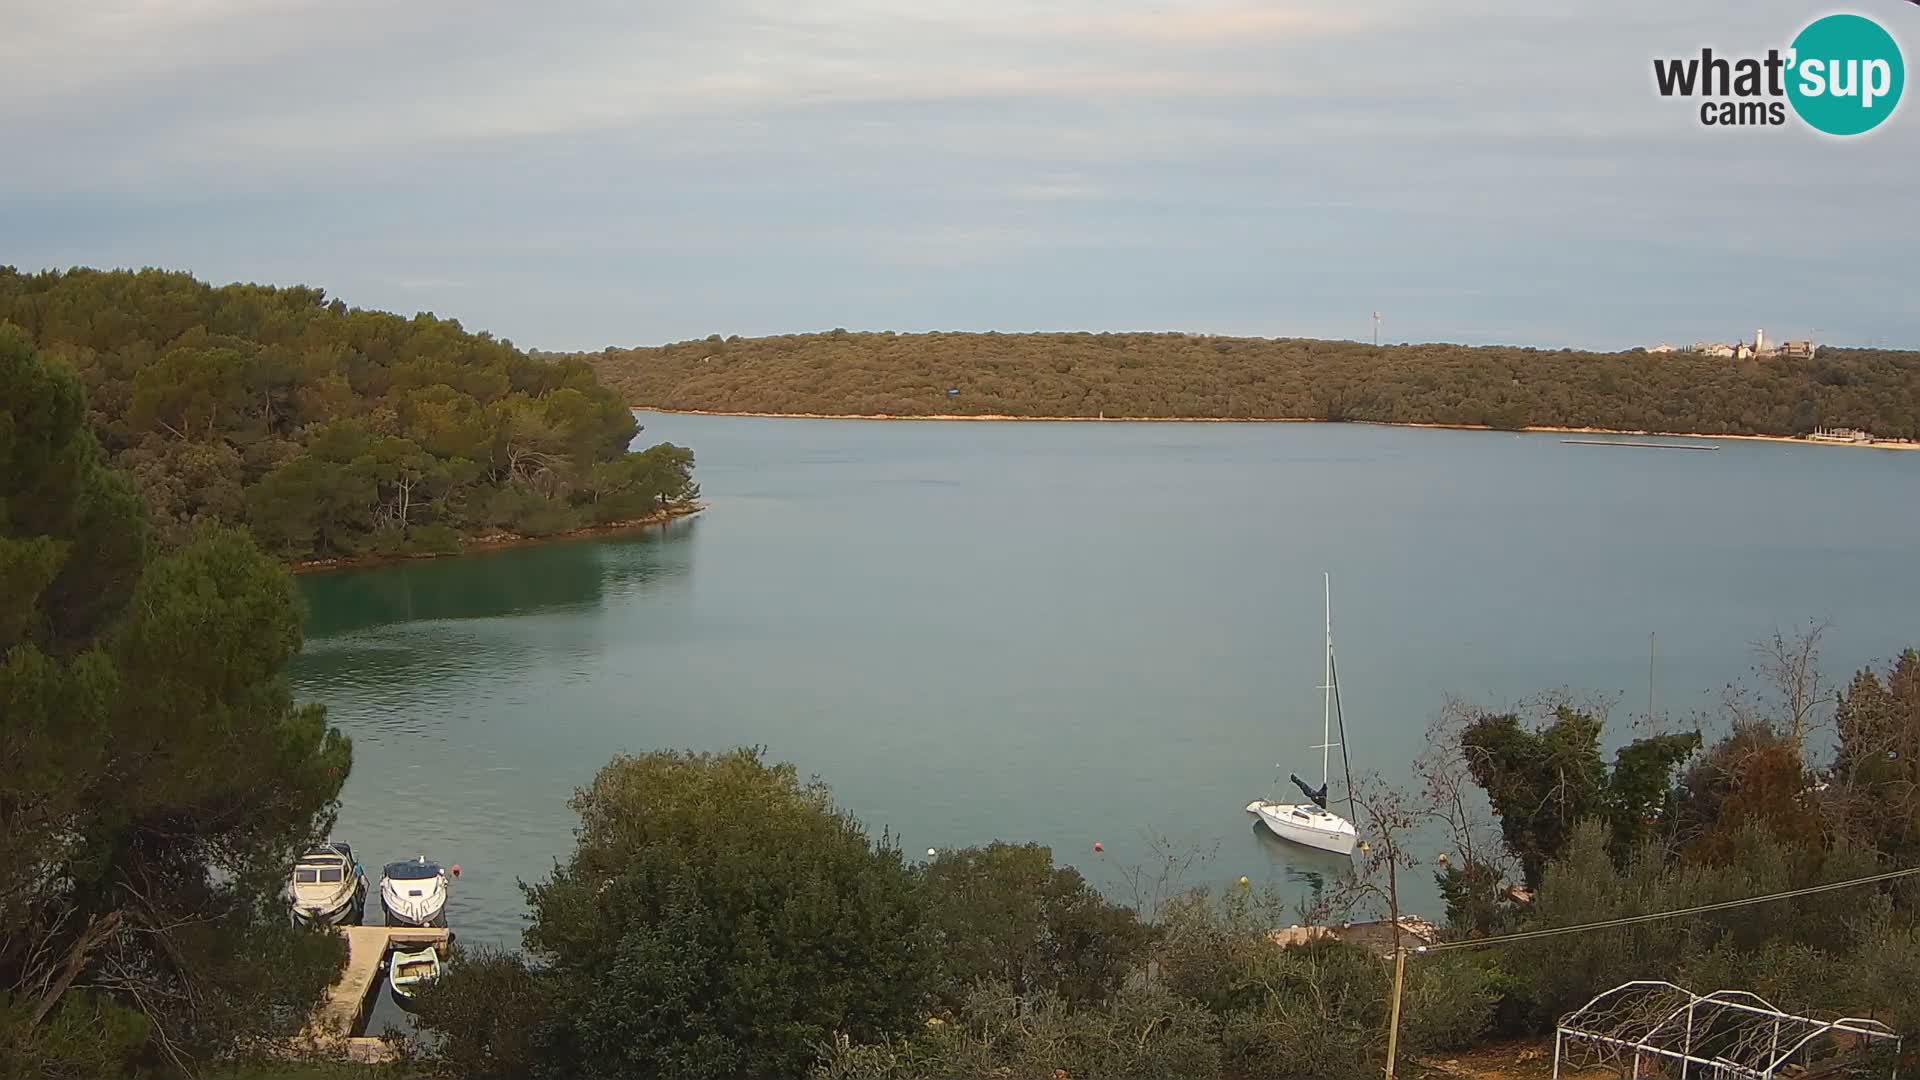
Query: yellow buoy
column 1243, row 881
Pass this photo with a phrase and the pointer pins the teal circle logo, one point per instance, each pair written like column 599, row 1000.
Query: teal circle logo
column 1846, row 74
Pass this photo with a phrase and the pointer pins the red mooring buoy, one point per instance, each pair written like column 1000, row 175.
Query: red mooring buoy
column 1097, row 847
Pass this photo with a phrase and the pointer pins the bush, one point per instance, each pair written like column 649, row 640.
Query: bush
column 1317, row 1010
column 1448, row 1002
column 496, row 1018
column 717, row 918
column 1006, row 913
column 1137, row 1034
column 1801, row 954
column 87, row 1037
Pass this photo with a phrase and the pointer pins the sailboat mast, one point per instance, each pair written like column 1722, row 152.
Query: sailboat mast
column 1326, row 685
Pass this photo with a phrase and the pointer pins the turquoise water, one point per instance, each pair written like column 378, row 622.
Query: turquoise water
column 1073, row 633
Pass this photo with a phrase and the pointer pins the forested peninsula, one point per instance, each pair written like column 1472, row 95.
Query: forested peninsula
column 334, row 433
column 1188, row 376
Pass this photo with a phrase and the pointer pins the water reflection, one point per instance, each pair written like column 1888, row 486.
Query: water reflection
column 972, row 632
column 516, row 581
column 1310, row 868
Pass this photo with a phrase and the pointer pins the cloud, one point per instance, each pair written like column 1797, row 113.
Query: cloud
column 749, row 164
column 430, row 283
column 1192, row 24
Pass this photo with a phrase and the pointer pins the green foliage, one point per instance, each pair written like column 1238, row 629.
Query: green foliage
column 72, row 535
column 1191, row 375
column 1138, row 1034
column 1005, row 913
column 643, row 483
column 1753, row 775
column 1876, row 772
column 1472, row 894
column 719, row 918
column 1303, row 1011
column 329, row 431
column 1312, row 1012
column 155, row 776
column 1543, row 782
column 497, row 1018
column 1801, row 954
column 89, row 1036
column 1450, row 1001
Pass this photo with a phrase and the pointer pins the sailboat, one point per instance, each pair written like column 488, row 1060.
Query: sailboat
column 1310, row 823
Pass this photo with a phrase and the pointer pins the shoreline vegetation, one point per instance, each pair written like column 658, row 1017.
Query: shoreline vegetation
column 502, row 541
column 996, row 960
column 1198, row 377
column 1540, row 429
column 337, row 435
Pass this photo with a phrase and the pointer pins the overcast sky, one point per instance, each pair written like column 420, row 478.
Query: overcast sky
column 572, row 175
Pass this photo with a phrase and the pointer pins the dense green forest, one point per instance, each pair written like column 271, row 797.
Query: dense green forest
column 1182, row 375
column 156, row 776
column 331, row 431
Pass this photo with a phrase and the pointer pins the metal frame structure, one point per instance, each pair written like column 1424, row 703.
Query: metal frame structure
column 1647, row 1027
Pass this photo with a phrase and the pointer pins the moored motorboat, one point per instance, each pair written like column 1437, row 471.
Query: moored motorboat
column 326, row 885
column 408, row 971
column 414, row 893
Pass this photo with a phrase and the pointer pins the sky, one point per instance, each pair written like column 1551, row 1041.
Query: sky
column 574, row 175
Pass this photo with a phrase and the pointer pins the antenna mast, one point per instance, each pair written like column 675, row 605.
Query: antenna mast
column 1650, row 637
column 1326, row 715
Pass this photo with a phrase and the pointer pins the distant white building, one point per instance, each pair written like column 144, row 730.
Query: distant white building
column 1747, row 350
column 1842, row 435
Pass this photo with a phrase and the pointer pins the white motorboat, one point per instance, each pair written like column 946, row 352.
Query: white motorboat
column 407, row 972
column 414, row 893
column 1310, row 823
column 326, row 885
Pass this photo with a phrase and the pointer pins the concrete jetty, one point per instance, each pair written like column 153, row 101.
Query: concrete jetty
column 1642, row 445
column 338, row 1020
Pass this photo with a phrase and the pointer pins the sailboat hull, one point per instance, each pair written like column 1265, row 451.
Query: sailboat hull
column 1308, row 826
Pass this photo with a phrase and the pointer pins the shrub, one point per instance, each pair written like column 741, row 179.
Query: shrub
column 1137, row 1034
column 719, row 918
column 1006, row 913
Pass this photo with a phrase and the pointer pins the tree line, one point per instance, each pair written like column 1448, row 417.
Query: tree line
column 1190, row 375
column 156, row 777
column 330, row 431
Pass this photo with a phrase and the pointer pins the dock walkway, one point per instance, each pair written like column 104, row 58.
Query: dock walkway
column 344, row 1010
column 1642, row 445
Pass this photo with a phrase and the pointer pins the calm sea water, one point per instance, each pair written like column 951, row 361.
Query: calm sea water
column 1078, row 633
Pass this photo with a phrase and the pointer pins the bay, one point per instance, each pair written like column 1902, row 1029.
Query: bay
column 1079, row 632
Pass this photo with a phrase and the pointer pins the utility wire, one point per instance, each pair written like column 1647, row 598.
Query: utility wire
column 1630, row 920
